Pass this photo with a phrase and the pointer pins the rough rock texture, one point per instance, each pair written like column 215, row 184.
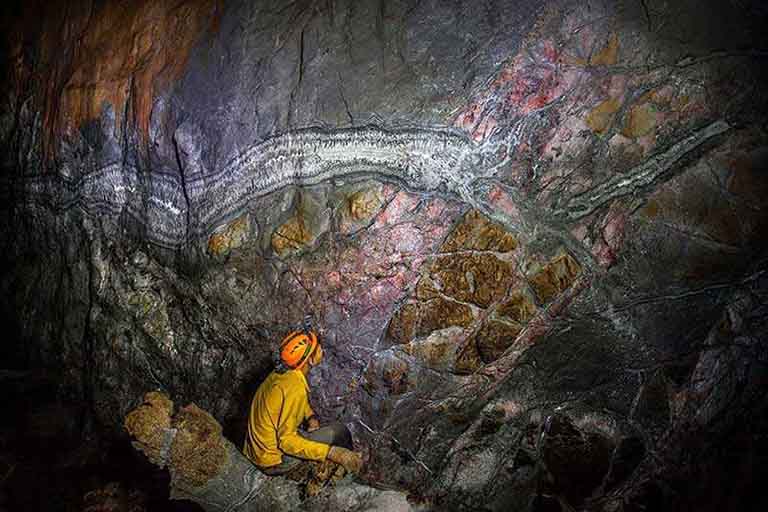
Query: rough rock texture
column 530, row 234
column 148, row 424
column 207, row 469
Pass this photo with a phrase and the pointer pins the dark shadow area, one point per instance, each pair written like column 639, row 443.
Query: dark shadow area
column 235, row 427
column 46, row 465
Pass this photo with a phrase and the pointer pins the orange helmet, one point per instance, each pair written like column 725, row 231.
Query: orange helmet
column 297, row 347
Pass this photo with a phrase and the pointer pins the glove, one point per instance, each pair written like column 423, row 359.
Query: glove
column 352, row 461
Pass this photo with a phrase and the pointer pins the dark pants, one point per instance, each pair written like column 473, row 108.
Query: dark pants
column 334, row 434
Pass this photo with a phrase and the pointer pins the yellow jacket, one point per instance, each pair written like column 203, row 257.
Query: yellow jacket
column 279, row 406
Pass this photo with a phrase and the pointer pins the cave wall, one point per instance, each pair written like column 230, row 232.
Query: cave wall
column 531, row 236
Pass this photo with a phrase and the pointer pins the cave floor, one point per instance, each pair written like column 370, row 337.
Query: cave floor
column 47, row 464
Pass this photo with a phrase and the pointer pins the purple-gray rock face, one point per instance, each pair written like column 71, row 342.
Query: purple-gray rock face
column 530, row 234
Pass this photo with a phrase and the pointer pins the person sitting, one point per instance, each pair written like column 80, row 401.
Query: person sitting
column 274, row 441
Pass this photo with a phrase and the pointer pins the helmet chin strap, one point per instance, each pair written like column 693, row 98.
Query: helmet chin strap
column 316, row 356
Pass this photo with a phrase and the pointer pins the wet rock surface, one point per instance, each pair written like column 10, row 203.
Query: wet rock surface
column 531, row 238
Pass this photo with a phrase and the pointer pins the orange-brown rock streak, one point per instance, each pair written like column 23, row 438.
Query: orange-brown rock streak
column 121, row 54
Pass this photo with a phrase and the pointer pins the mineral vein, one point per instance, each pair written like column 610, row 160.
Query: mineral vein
column 421, row 159
column 429, row 160
column 641, row 176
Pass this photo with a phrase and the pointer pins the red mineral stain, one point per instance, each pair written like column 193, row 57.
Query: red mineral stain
column 606, row 248
column 501, row 200
column 530, row 81
column 334, row 278
column 466, row 120
column 507, row 72
column 484, row 129
column 400, row 204
column 550, row 51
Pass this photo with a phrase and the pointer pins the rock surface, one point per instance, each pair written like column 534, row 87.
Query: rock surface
column 531, row 237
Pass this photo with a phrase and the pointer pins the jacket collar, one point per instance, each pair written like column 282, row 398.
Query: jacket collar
column 303, row 378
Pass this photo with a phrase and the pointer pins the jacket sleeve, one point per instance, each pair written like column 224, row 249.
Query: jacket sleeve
column 308, row 412
column 295, row 406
